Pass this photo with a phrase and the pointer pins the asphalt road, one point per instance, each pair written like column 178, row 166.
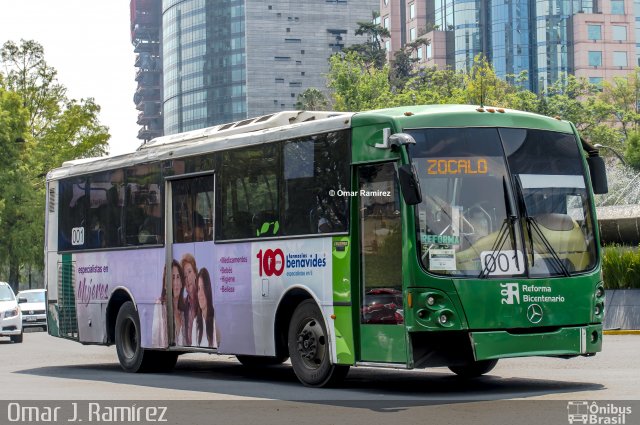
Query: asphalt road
column 47, row 368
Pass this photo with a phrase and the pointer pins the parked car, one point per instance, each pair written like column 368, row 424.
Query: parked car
column 10, row 315
column 33, row 305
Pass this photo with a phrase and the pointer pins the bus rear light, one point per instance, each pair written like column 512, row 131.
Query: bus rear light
column 408, row 114
column 410, row 300
column 480, row 109
column 491, row 110
column 501, row 110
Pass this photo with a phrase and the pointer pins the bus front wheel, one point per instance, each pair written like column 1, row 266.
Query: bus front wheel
column 309, row 348
column 133, row 358
column 474, row 369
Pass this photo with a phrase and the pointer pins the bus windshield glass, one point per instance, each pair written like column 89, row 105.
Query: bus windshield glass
column 477, row 220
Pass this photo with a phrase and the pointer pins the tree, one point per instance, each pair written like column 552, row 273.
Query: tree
column 632, row 150
column 57, row 129
column 356, row 85
column 312, row 100
column 371, row 51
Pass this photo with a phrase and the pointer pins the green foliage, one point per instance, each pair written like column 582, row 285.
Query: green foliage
column 356, row 85
column 35, row 107
column 632, row 150
column 312, row 100
column 621, row 267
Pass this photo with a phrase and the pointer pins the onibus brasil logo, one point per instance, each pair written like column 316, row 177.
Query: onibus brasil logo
column 583, row 412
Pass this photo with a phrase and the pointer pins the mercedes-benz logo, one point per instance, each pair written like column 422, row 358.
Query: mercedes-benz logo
column 534, row 313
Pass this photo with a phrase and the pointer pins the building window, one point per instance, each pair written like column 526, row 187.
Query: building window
column 617, row 7
column 412, row 34
column 385, row 22
column 595, row 80
column 412, row 11
column 594, row 32
column 419, row 54
column 620, row 59
column 619, row 32
column 595, row 58
column 387, row 45
column 429, row 53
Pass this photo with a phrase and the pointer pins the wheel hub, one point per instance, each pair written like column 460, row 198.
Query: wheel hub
column 311, row 344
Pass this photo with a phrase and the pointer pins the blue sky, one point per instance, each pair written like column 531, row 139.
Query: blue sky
column 88, row 42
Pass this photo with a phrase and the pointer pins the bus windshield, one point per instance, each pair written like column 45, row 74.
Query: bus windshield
column 502, row 202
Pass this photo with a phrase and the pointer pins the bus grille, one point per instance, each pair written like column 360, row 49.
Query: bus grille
column 67, row 318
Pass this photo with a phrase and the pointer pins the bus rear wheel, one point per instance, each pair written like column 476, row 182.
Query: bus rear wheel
column 474, row 369
column 133, row 358
column 309, row 348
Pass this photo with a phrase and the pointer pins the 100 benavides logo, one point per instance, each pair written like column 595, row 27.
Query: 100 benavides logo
column 274, row 262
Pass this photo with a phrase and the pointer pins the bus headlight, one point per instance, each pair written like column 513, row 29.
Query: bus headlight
column 431, row 300
column 600, row 292
column 443, row 319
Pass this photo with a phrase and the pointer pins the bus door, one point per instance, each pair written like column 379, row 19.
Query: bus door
column 382, row 336
column 190, row 261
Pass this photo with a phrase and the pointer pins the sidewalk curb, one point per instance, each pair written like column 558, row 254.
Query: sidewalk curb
column 622, row 332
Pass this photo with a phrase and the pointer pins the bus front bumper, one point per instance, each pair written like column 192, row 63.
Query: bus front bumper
column 567, row 341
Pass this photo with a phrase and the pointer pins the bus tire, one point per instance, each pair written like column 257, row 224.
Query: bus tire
column 309, row 348
column 260, row 361
column 474, row 369
column 133, row 358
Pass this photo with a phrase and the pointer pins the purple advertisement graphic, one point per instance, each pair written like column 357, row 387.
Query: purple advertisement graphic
column 99, row 274
column 232, row 295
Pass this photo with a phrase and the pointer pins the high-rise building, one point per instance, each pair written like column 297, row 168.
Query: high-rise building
column 595, row 39
column 145, row 37
column 226, row 60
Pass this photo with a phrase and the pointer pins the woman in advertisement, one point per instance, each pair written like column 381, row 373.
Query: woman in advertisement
column 177, row 285
column 159, row 326
column 205, row 322
column 190, row 271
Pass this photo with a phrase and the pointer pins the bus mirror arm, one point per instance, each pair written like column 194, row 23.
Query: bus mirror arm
column 409, row 181
column 597, row 169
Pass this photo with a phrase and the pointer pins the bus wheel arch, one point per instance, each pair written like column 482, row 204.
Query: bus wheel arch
column 117, row 299
column 309, row 347
column 288, row 304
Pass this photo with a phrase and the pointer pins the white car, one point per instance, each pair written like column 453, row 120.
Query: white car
column 10, row 314
column 33, row 306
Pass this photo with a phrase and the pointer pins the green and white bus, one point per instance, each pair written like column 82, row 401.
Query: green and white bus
column 412, row 237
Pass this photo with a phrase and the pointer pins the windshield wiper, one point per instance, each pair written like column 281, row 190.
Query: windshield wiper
column 507, row 224
column 531, row 223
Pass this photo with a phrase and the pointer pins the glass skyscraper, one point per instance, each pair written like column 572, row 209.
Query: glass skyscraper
column 226, row 60
column 538, row 37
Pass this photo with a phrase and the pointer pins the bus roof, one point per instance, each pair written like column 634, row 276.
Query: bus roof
column 434, row 116
column 292, row 124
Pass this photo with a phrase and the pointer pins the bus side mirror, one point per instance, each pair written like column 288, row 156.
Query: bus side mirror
column 409, row 184
column 598, row 175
